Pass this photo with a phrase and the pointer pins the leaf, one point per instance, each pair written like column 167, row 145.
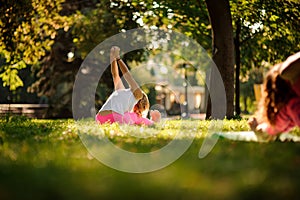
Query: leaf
column 10, row 78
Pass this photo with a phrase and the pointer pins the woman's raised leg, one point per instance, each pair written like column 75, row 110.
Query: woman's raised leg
column 114, row 55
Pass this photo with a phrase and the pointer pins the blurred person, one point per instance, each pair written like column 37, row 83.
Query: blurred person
column 279, row 107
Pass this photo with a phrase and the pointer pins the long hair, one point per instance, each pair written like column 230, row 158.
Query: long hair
column 142, row 105
column 276, row 94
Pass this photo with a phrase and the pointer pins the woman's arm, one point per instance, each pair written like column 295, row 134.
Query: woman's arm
column 260, row 130
column 287, row 118
column 293, row 110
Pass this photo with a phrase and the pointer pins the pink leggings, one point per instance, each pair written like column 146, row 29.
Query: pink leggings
column 127, row 118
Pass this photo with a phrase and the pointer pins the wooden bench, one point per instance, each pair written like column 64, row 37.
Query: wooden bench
column 29, row 110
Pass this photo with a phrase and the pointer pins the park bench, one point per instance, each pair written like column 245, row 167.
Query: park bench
column 29, row 110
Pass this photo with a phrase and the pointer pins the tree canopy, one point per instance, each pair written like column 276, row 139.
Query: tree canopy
column 269, row 30
column 53, row 37
column 28, row 29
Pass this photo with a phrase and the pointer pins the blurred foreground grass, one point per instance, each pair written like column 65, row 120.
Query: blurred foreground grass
column 45, row 159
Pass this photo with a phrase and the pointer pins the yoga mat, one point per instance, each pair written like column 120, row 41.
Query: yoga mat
column 250, row 136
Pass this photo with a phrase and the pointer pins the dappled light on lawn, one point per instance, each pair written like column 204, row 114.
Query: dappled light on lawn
column 45, row 158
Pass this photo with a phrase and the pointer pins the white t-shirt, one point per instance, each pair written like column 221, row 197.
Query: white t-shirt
column 120, row 101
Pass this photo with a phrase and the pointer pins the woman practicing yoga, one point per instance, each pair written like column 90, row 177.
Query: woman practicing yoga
column 279, row 108
column 125, row 105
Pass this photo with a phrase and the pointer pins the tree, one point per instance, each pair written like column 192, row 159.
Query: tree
column 56, row 75
column 265, row 32
column 192, row 19
column 223, row 50
column 31, row 31
column 92, row 23
column 28, row 29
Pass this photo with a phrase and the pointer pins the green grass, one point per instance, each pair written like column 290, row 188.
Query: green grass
column 45, row 159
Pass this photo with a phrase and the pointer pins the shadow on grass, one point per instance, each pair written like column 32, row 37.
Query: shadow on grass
column 48, row 161
column 233, row 170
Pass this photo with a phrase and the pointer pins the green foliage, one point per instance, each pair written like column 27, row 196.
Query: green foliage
column 32, row 30
column 10, row 78
column 93, row 25
column 269, row 31
column 27, row 32
column 187, row 17
column 91, row 22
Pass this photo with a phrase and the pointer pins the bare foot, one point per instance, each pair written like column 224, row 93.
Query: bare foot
column 114, row 53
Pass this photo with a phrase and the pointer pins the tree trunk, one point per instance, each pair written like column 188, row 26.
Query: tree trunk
column 238, row 67
column 223, row 50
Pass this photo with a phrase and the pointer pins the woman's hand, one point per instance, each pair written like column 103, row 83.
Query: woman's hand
column 253, row 123
column 260, row 130
column 155, row 115
column 257, row 127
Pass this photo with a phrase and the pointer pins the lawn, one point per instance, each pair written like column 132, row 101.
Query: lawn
column 46, row 159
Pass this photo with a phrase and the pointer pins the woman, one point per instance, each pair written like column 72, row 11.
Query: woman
column 125, row 106
column 279, row 108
